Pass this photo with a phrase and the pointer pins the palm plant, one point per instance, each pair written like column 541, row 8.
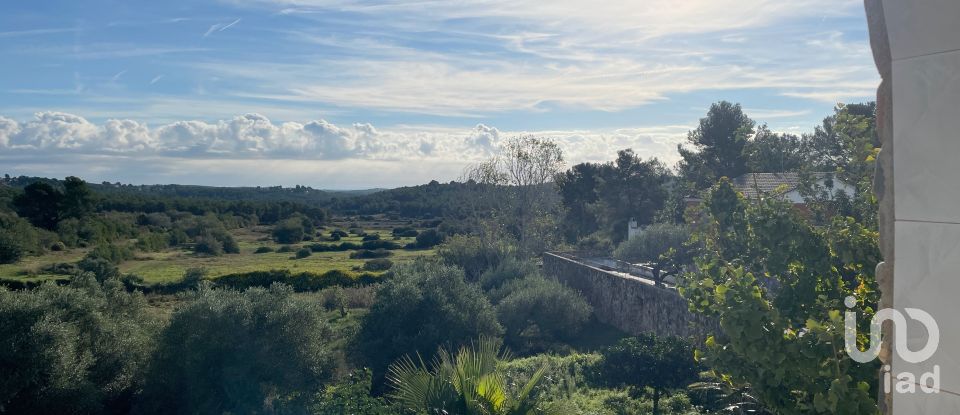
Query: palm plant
column 466, row 383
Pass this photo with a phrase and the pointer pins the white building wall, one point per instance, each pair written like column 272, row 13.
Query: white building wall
column 924, row 38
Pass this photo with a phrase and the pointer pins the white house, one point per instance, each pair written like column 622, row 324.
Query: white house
column 753, row 186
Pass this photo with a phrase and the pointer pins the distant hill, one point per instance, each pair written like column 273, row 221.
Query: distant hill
column 299, row 194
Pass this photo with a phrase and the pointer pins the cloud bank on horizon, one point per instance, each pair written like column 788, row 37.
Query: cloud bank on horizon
column 360, row 93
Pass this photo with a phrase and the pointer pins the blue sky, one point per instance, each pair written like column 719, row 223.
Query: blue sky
column 357, row 93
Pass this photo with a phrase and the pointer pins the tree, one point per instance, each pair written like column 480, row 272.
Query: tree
column 79, row 348
column 578, row 192
column 78, row 199
column 425, row 306
column 665, row 247
column 40, row 203
column 769, row 152
column 776, row 284
column 525, row 165
column 718, row 145
column 630, row 188
column 469, row 382
column 259, row 350
column 660, row 363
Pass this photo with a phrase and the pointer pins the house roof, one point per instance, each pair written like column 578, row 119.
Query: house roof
column 751, row 183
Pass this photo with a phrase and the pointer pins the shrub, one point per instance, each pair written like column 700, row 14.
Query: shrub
column 508, row 270
column 289, row 231
column 285, row 249
column 303, row 253
column 538, row 313
column 79, row 348
column 429, row 239
column 424, row 306
column 304, row 281
column 111, row 252
column 193, row 276
column 61, row 268
column 379, row 245
column 208, row 245
column 378, row 264
column 366, row 253
column 595, row 244
column 10, row 250
column 653, row 241
column 474, row 254
column 352, row 396
column 660, row 363
column 371, row 237
column 334, row 299
column 152, row 241
column 230, row 368
column 58, row 247
column 100, row 268
column 337, row 233
column 404, row 232
column 263, row 250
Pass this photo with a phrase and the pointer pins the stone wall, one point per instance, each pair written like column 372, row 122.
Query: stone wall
column 628, row 303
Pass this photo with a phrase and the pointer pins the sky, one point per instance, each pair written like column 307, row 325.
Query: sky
column 346, row 94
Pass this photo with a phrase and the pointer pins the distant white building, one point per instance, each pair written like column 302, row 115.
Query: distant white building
column 754, row 186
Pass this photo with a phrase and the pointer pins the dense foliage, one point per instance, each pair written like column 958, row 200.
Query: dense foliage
column 776, row 284
column 260, row 350
column 660, row 363
column 424, row 306
column 80, row 348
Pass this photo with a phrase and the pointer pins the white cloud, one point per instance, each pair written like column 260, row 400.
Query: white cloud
column 254, row 137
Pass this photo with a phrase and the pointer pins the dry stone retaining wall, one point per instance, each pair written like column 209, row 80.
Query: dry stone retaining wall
column 631, row 304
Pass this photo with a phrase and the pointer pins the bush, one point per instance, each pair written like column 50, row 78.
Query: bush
column 153, row 241
column 337, row 233
column 404, row 232
column 263, row 250
column 99, row 267
column 595, row 244
column 429, row 239
column 652, row 242
column 73, row 349
column 10, row 250
column 660, row 363
column 192, row 277
column 289, row 231
column 61, row 268
column 114, row 253
column 366, row 254
column 424, row 306
column 230, row 368
column 304, row 281
column 538, row 313
column 303, row 253
column 285, row 249
column 379, row 245
column 371, row 237
column 508, row 270
column 58, row 247
column 474, row 254
column 208, row 245
column 379, row 264
column 334, row 299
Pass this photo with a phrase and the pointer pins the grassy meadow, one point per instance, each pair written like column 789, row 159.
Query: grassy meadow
column 169, row 265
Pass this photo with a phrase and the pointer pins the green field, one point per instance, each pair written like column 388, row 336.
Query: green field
column 169, row 265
